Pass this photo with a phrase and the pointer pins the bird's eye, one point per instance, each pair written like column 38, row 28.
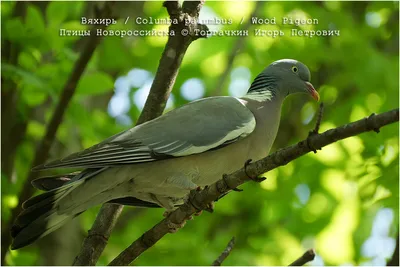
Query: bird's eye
column 295, row 69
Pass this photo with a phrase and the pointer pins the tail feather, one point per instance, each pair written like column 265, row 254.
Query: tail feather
column 42, row 226
column 29, row 215
column 39, row 217
column 53, row 182
column 42, row 199
column 48, row 183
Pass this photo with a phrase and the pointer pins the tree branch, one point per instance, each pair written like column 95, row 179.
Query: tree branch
column 240, row 41
column 13, row 123
column 43, row 149
column 308, row 256
column 171, row 57
column 200, row 199
column 167, row 71
column 224, row 253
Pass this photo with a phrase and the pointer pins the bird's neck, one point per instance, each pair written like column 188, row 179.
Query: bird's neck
column 264, row 95
column 261, row 96
column 259, row 103
column 264, row 101
column 267, row 115
column 264, row 88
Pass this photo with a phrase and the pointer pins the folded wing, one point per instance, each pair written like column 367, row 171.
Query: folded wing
column 199, row 126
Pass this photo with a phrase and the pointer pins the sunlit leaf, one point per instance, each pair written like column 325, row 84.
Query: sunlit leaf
column 95, row 83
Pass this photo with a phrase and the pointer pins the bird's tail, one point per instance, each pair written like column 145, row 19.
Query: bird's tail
column 39, row 216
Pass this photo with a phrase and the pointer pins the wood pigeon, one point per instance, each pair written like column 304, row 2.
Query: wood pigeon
column 158, row 162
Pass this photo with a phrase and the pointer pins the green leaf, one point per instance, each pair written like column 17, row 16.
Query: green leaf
column 35, row 129
column 14, row 30
column 24, row 258
column 57, row 12
column 114, row 56
column 27, row 61
column 34, row 21
column 47, row 70
column 7, row 9
column 63, row 32
column 33, row 96
column 27, row 77
column 95, row 83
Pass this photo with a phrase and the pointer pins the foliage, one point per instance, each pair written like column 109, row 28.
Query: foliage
column 329, row 200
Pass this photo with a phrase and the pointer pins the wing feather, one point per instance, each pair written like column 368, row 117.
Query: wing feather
column 199, row 126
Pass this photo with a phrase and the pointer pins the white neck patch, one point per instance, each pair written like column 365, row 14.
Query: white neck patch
column 260, row 96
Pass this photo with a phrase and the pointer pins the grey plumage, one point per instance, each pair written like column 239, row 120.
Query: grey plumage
column 198, row 126
column 53, row 182
column 159, row 162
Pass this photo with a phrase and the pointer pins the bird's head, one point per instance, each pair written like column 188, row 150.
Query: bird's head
column 284, row 77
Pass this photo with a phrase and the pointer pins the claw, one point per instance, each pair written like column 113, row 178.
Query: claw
column 198, row 213
column 226, row 183
column 166, row 213
column 210, row 207
column 174, row 227
column 245, row 168
column 255, row 179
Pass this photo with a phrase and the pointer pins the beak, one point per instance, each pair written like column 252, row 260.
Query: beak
column 312, row 91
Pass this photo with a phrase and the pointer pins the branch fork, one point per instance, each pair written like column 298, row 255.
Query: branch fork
column 187, row 17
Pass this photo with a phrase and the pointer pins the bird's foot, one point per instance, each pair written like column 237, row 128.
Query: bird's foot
column 167, row 213
column 173, row 227
column 224, row 176
column 198, row 213
column 255, row 179
column 209, row 207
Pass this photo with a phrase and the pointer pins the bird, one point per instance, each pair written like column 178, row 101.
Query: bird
column 157, row 163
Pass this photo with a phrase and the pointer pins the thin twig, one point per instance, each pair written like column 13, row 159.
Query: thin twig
column 224, row 253
column 279, row 158
column 308, row 256
column 164, row 80
column 43, row 149
column 317, row 125
column 319, row 117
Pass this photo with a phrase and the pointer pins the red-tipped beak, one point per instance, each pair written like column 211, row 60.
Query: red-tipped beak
column 312, row 91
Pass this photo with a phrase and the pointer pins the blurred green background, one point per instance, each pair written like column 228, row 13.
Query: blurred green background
column 342, row 201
